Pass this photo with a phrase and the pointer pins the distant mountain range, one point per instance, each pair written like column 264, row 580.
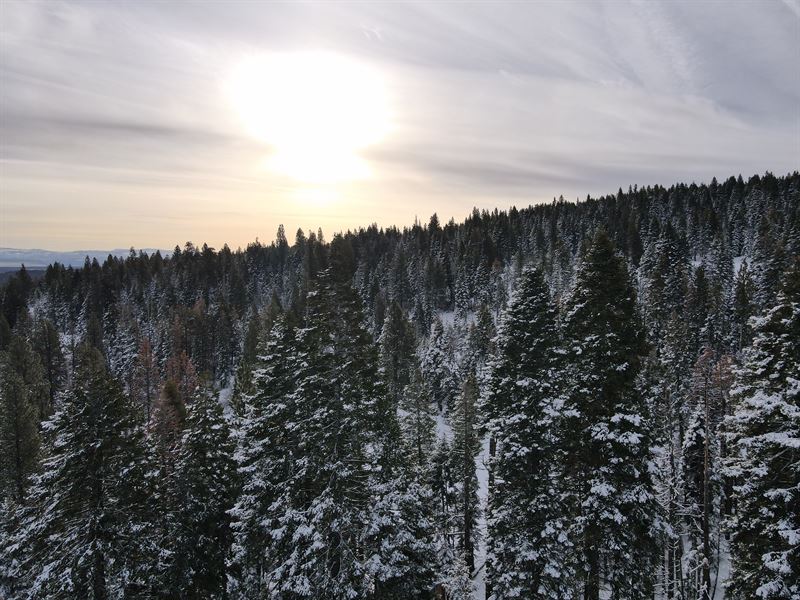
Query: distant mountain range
column 13, row 258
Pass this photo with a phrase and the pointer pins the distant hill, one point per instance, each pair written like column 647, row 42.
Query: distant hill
column 36, row 258
column 7, row 272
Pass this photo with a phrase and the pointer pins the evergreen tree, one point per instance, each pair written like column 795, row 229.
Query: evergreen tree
column 203, row 487
column 742, row 307
column 21, row 359
column 268, row 446
column 698, row 305
column 607, row 431
column 764, row 460
column 480, row 341
column 769, row 262
column 340, row 464
column 146, row 380
column 719, row 268
column 445, row 497
column 525, row 557
column 465, row 449
column 437, row 367
column 47, row 344
column 418, row 422
column 91, row 496
column 703, row 490
column 19, row 436
column 397, row 343
column 664, row 267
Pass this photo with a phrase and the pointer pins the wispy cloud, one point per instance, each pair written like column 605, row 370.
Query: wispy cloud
column 110, row 110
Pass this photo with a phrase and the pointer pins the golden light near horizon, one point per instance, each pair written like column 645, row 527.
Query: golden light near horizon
column 316, row 110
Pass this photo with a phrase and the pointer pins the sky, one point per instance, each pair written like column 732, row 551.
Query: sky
column 149, row 124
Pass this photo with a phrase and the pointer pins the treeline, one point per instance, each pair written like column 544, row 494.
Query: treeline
column 312, row 421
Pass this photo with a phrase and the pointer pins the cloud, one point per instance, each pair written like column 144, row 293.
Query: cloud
column 124, row 104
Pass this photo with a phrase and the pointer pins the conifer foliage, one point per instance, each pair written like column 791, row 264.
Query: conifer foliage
column 567, row 401
column 525, row 559
column 607, row 431
column 84, row 533
column 764, row 460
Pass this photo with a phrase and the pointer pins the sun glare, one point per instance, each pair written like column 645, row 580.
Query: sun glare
column 316, row 110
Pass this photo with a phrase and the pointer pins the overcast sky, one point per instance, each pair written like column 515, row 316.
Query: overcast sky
column 116, row 128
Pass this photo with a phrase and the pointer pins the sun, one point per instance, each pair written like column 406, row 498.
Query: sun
column 316, row 110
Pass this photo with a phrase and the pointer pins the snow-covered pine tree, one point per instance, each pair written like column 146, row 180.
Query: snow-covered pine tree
column 268, row 446
column 418, row 423
column 400, row 539
column 526, row 545
column 703, row 501
column 609, row 492
column 480, row 343
column 91, row 495
column 764, row 454
column 743, row 301
column 458, row 580
column 339, row 465
column 698, row 307
column 437, row 367
column 769, row 263
column 203, row 490
column 401, row 558
column 719, row 269
column 465, row 449
column 445, row 498
column 663, row 269
column 397, row 343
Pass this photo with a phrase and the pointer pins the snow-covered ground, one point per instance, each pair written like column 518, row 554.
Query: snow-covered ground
column 482, row 467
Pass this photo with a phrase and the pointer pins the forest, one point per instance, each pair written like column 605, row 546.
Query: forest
column 573, row 400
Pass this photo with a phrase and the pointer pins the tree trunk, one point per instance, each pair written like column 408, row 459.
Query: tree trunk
column 591, row 588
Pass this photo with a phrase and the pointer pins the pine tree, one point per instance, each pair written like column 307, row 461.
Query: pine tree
column 668, row 373
column 437, row 367
column 698, row 305
column 268, row 446
column 480, row 341
column 21, row 359
column 458, row 580
column 91, row 496
column 607, row 431
column 19, row 436
column 166, row 425
column 703, row 489
column 146, row 379
column 764, row 461
column 719, row 268
column 418, row 424
column 525, row 558
column 742, row 307
column 315, row 494
column 465, row 449
column 401, row 554
column 202, row 487
column 664, row 267
column 442, row 481
column 769, row 262
column 397, row 343
column 47, row 344
column 9, row 567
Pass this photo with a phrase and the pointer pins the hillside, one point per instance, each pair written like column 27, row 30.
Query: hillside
column 591, row 399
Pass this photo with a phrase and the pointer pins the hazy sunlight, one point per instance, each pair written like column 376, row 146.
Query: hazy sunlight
column 317, row 110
